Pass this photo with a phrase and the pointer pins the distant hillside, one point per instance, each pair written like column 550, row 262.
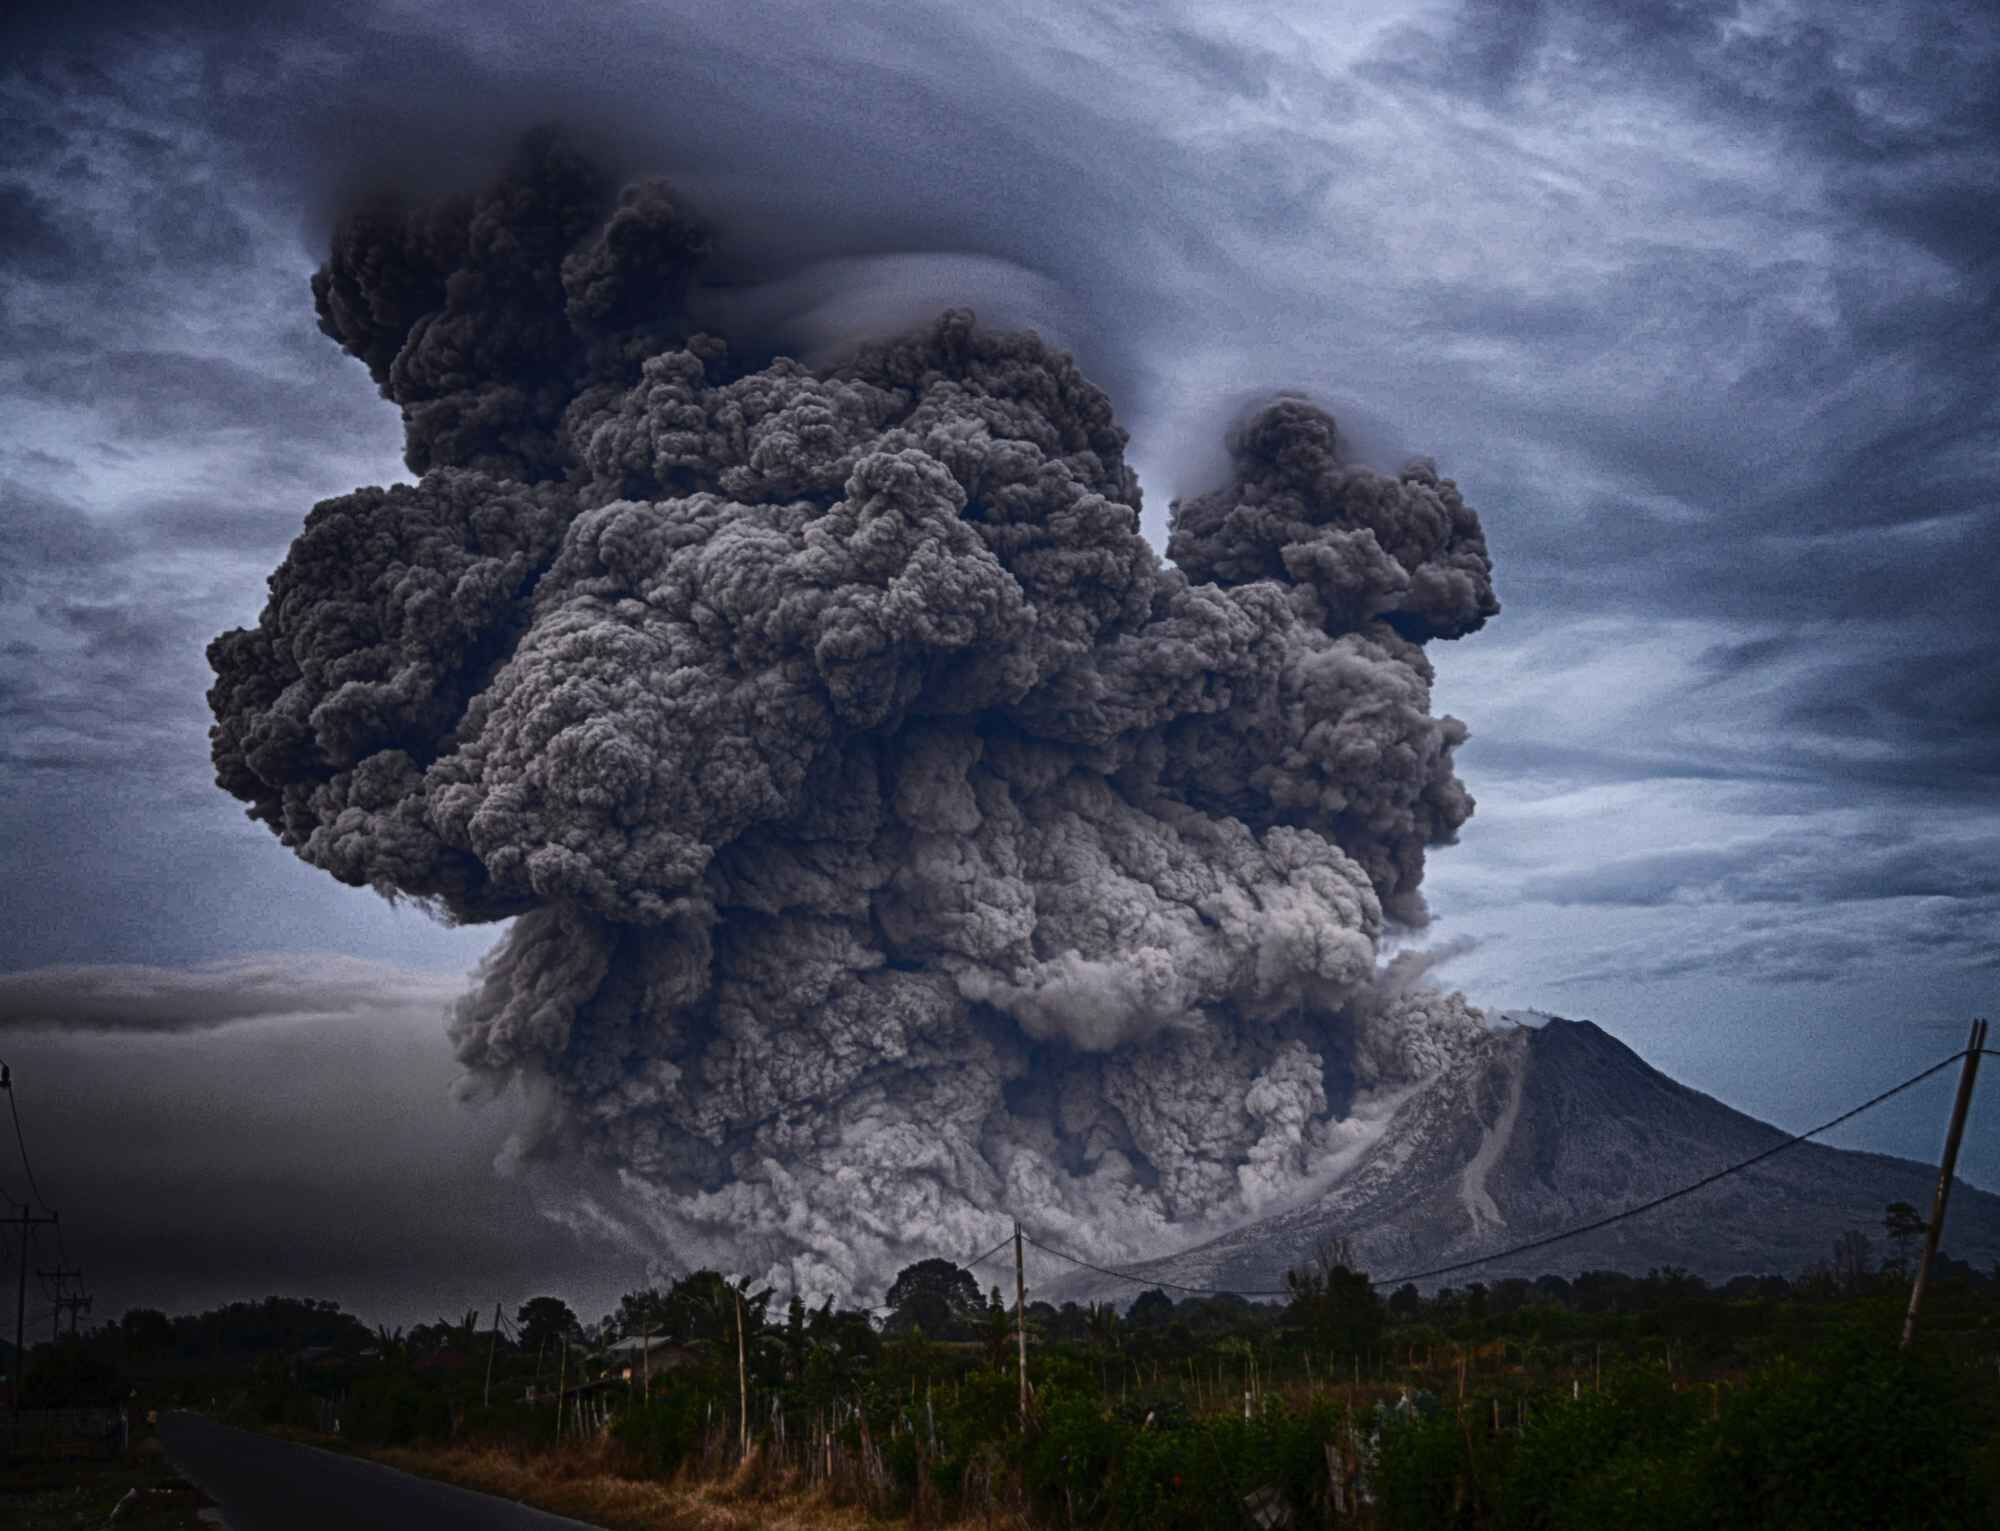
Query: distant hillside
column 1541, row 1128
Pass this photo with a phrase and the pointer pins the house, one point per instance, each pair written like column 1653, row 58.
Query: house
column 629, row 1360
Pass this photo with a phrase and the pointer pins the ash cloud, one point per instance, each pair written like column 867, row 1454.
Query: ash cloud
column 892, row 840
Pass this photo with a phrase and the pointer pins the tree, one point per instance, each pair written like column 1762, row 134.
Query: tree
column 1903, row 1226
column 847, row 1331
column 1406, row 1301
column 1604, row 1292
column 1511, row 1296
column 1852, row 1260
column 698, row 1309
column 1101, row 1320
column 937, row 1297
column 1334, row 1304
column 147, row 1331
column 999, row 1334
column 1151, row 1309
column 545, row 1321
column 447, row 1334
column 795, row 1337
column 642, row 1312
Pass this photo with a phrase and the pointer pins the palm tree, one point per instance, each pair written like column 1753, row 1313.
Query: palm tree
column 391, row 1343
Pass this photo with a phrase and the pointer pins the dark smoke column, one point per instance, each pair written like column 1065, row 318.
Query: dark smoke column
column 891, row 840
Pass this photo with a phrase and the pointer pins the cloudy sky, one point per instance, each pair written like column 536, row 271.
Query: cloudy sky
column 1699, row 310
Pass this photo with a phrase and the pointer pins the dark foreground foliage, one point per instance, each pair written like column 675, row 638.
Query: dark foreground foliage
column 1854, row 1434
column 1601, row 1401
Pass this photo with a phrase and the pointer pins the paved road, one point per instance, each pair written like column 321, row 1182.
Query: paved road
column 262, row 1484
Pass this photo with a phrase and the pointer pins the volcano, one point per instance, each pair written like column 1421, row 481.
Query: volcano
column 1534, row 1128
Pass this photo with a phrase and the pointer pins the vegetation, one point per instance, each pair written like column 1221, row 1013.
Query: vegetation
column 62, row 1495
column 1582, row 1401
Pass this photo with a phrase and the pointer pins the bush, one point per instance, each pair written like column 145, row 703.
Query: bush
column 1089, row 1464
column 1420, row 1474
column 1859, row 1435
column 1856, row 1435
column 1069, row 1460
column 396, row 1411
column 1579, row 1460
column 68, row 1376
column 513, row 1423
column 662, row 1432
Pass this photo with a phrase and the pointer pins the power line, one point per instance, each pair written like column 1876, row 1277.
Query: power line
column 1198, row 1291
column 1547, row 1239
column 12, row 1093
column 7, row 1086
column 964, row 1265
column 969, row 1264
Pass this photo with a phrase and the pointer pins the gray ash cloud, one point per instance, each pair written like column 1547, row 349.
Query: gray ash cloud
column 891, row 838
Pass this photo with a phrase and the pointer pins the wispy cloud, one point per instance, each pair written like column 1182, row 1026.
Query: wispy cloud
column 287, row 986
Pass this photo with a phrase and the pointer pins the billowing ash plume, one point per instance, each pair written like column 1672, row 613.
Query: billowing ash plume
column 892, row 841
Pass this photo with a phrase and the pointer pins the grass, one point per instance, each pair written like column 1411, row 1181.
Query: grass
column 587, row 1482
column 73, row 1494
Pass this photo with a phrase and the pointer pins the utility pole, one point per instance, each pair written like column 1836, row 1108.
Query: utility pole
column 742, row 1384
column 28, row 1222
column 562, row 1371
column 1021, row 1318
column 1935, row 1230
column 61, row 1276
column 79, row 1302
column 491, row 1348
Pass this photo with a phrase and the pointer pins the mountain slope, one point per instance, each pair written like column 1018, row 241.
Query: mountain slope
column 1540, row 1129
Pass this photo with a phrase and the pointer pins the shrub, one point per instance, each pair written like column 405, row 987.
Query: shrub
column 1858, row 1435
column 1069, row 1460
column 1579, row 1459
column 396, row 1411
column 662, row 1432
column 68, row 1376
column 1420, row 1474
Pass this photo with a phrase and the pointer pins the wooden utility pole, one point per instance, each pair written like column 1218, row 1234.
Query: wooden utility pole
column 63, row 1276
column 491, row 1348
column 742, row 1385
column 19, row 1369
column 1935, row 1230
column 562, row 1371
column 1021, row 1319
column 76, row 1304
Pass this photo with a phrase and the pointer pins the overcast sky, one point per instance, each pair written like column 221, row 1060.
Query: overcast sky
column 1699, row 310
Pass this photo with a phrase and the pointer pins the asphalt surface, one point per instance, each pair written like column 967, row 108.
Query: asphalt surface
column 261, row 1484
